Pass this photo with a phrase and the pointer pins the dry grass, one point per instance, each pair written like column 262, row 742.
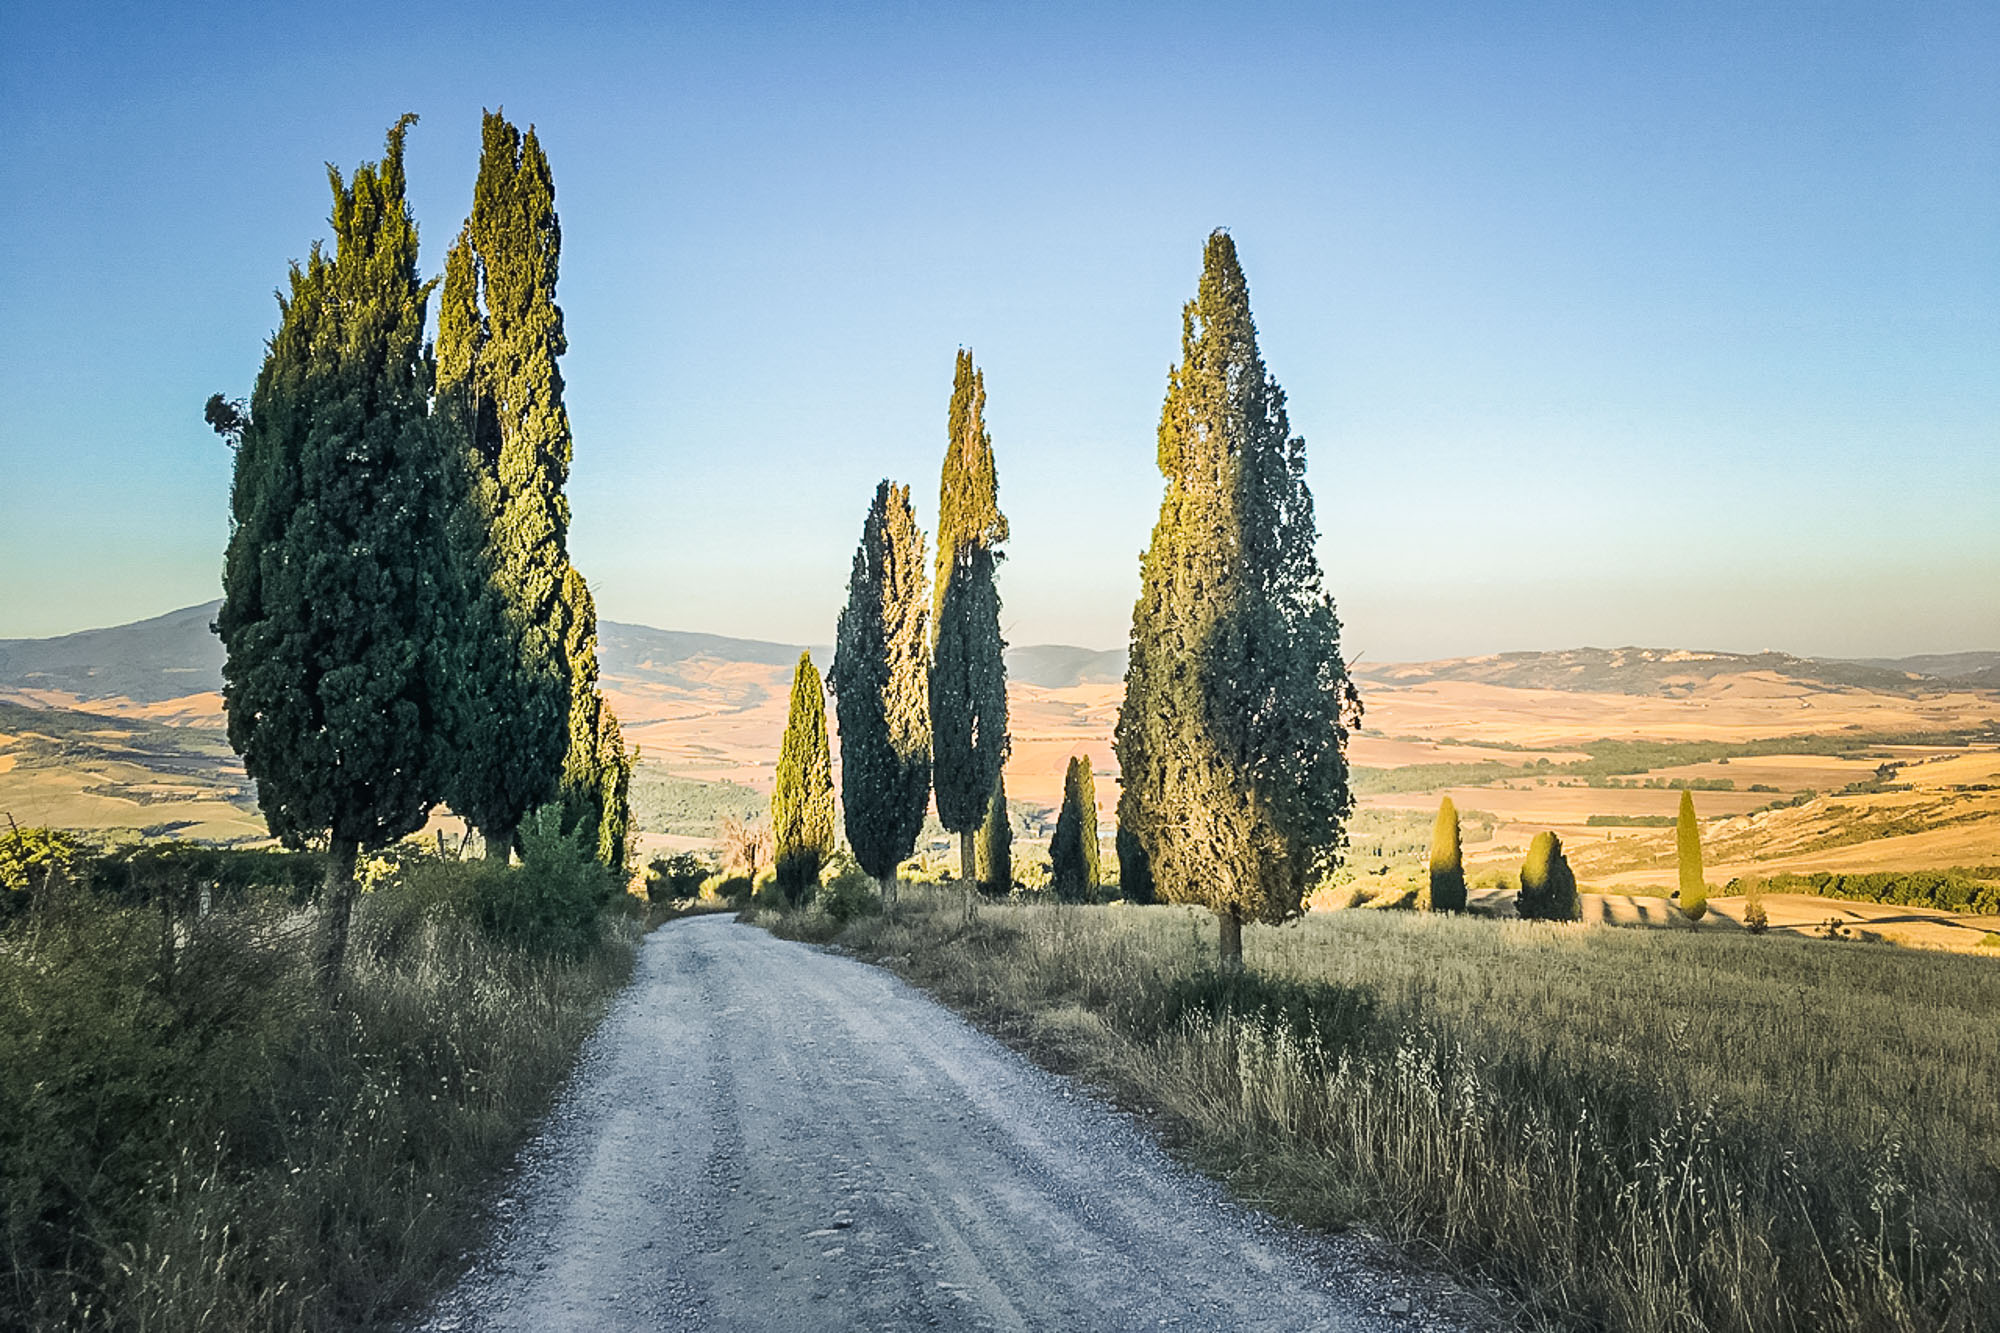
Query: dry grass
column 1640, row 1131
column 193, row 1142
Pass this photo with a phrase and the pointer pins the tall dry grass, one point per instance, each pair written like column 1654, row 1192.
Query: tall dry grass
column 1642, row 1131
column 192, row 1141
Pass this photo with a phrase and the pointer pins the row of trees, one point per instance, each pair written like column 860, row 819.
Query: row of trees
column 402, row 624
column 919, row 680
column 1232, row 735
column 1548, row 886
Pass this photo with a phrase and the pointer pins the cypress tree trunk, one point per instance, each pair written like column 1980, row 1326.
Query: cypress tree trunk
column 499, row 844
column 888, row 883
column 339, row 908
column 968, row 855
column 1231, row 940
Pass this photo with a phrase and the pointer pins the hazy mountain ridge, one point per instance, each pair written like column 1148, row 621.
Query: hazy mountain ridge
column 1634, row 670
column 175, row 655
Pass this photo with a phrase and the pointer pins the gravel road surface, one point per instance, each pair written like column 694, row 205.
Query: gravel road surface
column 764, row 1135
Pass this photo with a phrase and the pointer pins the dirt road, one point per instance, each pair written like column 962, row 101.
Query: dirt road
column 766, row 1136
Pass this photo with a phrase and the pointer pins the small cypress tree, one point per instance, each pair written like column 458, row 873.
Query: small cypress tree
column 879, row 677
column 1232, row 735
column 336, row 588
column 1135, row 876
column 1073, row 848
column 1548, row 887
column 597, row 771
column 1445, row 889
column 968, row 673
column 996, row 844
column 1687, row 844
column 802, row 794
column 519, row 737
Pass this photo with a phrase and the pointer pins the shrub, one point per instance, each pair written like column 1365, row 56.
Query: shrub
column 847, row 892
column 1548, row 886
column 1754, row 918
column 675, row 878
column 735, row 889
column 554, row 900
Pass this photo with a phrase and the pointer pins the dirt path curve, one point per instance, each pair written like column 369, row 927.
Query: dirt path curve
column 767, row 1136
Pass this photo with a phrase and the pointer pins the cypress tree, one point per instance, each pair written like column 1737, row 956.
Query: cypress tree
column 596, row 771
column 996, row 843
column 879, row 671
column 1135, row 876
column 500, row 398
column 1687, row 845
column 1445, row 889
column 335, row 583
column 1073, row 848
column 968, row 677
column 1231, row 738
column 802, row 795
column 1548, row 887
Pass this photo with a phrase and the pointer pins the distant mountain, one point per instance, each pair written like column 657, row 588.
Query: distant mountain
column 1652, row 671
column 176, row 655
column 1971, row 668
column 148, row 661
column 1055, row 666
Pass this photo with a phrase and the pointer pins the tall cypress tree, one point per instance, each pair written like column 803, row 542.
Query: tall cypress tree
column 500, row 398
column 1687, row 848
column 996, row 843
column 1231, row 739
column 1444, row 891
column 1073, row 847
column 968, row 678
column 802, row 794
column 336, row 583
column 878, row 677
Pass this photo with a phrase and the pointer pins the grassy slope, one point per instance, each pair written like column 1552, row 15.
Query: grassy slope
column 1635, row 1130
column 191, row 1141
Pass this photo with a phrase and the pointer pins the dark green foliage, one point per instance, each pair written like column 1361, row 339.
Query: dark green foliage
column 336, row 581
column 500, row 405
column 1073, row 848
column 1135, row 875
column 675, row 878
column 554, row 901
column 597, row 770
column 1961, row 889
column 878, row 678
column 1444, row 889
column 802, row 793
column 1548, row 888
column 996, row 843
column 1231, row 738
column 968, row 673
column 1687, row 849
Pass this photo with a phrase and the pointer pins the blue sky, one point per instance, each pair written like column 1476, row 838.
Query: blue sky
column 1673, row 325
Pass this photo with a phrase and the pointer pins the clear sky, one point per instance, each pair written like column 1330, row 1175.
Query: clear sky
column 1671, row 324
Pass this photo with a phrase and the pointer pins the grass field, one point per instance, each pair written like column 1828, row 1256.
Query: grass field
column 191, row 1140
column 1631, row 1130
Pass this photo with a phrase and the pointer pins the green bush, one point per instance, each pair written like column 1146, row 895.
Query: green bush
column 675, row 878
column 735, row 889
column 554, row 900
column 848, row 893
